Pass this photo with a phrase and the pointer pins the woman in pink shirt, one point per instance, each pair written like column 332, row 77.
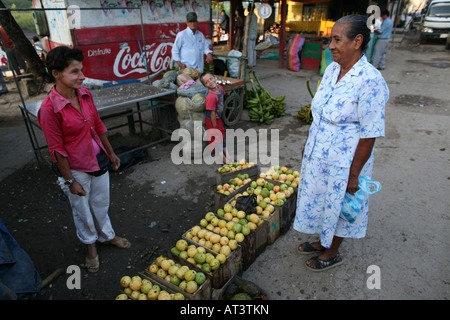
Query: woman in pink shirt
column 77, row 142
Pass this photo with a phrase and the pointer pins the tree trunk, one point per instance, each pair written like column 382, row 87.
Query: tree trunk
column 22, row 44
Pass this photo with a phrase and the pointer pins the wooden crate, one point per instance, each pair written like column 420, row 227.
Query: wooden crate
column 256, row 243
column 273, row 225
column 203, row 292
column 235, row 264
column 248, row 248
column 154, row 282
column 287, row 211
column 222, row 178
column 143, row 275
column 231, row 267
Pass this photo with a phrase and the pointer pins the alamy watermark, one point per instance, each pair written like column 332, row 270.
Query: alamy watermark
column 263, row 149
column 74, row 17
column 375, row 13
column 374, row 280
column 74, row 280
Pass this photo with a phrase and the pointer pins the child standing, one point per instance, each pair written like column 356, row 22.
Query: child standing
column 213, row 114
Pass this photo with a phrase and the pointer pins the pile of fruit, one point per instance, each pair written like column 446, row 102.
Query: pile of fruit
column 230, row 212
column 181, row 276
column 214, row 241
column 282, row 174
column 233, row 184
column 206, row 246
column 263, row 107
column 138, row 288
column 235, row 166
column 198, row 256
column 268, row 195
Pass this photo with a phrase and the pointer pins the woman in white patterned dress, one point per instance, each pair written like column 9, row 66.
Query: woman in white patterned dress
column 348, row 111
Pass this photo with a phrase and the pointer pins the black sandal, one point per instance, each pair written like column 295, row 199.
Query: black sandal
column 308, row 249
column 322, row 265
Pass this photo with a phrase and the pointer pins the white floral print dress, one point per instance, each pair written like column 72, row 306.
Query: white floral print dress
column 343, row 112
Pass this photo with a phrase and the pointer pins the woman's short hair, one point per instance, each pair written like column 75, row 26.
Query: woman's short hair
column 60, row 57
column 357, row 24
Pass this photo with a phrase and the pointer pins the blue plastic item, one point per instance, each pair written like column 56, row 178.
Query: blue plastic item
column 353, row 202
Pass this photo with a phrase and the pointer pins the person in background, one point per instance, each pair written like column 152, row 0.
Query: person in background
column 224, row 22
column 384, row 34
column 213, row 114
column 373, row 39
column 190, row 46
column 348, row 115
column 239, row 30
column 252, row 35
column 78, row 145
column 15, row 60
column 39, row 48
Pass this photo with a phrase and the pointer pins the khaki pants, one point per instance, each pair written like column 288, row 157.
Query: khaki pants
column 90, row 212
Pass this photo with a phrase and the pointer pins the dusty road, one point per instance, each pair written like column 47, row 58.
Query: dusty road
column 408, row 235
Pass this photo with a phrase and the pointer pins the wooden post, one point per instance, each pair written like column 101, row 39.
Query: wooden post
column 248, row 20
column 282, row 32
column 231, row 38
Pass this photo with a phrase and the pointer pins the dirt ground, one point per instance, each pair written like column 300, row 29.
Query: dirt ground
column 154, row 202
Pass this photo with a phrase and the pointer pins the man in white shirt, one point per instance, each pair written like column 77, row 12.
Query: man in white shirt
column 190, row 46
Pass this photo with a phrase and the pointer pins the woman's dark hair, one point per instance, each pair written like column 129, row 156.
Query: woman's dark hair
column 60, row 57
column 357, row 24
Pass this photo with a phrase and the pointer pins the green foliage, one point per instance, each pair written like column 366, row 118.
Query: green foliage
column 21, row 4
column 23, row 18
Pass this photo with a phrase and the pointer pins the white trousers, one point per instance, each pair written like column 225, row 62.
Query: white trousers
column 90, row 212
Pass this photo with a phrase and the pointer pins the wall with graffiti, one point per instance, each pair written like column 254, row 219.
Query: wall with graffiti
column 123, row 39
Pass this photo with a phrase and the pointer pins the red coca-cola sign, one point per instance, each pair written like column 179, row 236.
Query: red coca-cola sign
column 120, row 53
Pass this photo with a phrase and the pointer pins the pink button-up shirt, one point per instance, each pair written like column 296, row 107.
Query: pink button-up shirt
column 69, row 132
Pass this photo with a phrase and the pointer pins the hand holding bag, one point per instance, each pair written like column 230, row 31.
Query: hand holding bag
column 353, row 202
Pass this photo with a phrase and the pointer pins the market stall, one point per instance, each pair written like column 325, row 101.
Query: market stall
column 206, row 262
column 115, row 101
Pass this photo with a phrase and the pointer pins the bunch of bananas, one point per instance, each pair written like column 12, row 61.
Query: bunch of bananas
column 305, row 114
column 263, row 107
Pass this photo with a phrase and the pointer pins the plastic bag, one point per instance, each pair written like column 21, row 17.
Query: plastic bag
column 353, row 202
column 246, row 204
column 233, row 63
